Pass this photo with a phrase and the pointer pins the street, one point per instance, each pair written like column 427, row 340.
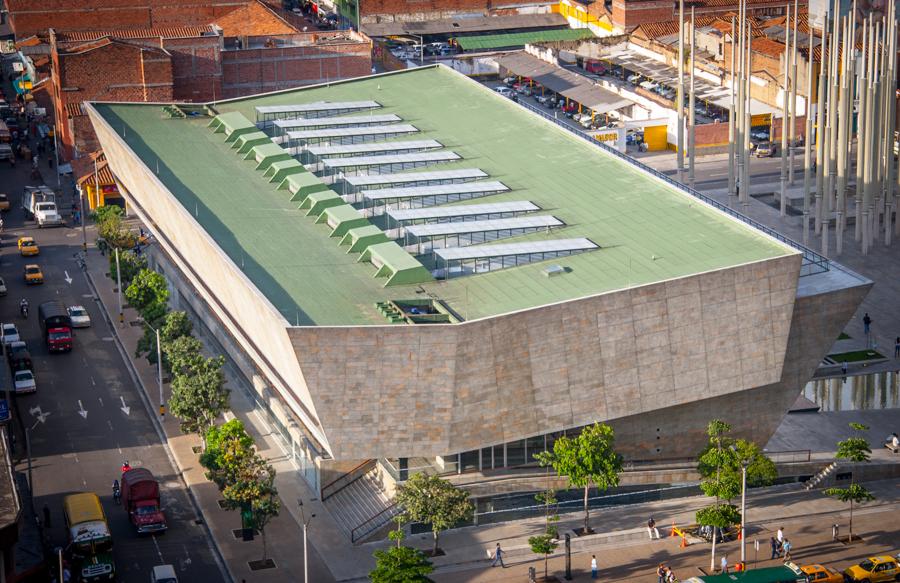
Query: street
column 86, row 417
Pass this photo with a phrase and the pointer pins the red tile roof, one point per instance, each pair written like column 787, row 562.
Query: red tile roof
column 164, row 32
column 254, row 19
column 769, row 47
column 658, row 29
column 83, row 168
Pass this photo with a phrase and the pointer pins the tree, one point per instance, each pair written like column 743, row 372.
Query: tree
column 253, row 488
column 227, row 447
column 172, row 326
column 725, row 462
column 549, row 500
column 435, row 501
column 199, row 395
column 587, row 459
column 716, row 466
column 111, row 229
column 853, row 449
column 148, row 294
column 543, row 544
column 182, row 353
column 401, row 565
column 130, row 263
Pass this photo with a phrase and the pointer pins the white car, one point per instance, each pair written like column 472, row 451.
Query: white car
column 23, row 381
column 163, row 574
column 79, row 317
column 504, row 91
column 9, row 333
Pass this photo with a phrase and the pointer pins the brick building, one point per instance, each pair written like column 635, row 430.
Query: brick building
column 627, row 14
column 104, row 69
column 28, row 17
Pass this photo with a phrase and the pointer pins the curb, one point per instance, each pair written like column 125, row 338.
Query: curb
column 160, row 431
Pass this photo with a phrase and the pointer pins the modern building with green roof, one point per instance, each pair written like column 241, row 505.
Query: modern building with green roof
column 468, row 325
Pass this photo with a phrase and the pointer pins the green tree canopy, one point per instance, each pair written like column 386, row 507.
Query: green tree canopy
column 543, row 544
column 199, row 395
column 589, row 458
column 148, row 294
column 130, row 263
column 111, row 228
column 172, row 326
column 401, row 565
column 182, row 354
column 854, row 449
column 435, row 501
column 228, row 446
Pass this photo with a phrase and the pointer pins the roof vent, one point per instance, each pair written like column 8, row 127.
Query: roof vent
column 554, row 270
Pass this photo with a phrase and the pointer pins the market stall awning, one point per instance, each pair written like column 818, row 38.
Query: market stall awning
column 567, row 83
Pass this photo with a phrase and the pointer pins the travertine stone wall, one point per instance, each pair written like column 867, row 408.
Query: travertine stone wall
column 430, row 390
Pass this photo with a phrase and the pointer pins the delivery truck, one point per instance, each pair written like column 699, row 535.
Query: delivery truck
column 56, row 325
column 140, row 497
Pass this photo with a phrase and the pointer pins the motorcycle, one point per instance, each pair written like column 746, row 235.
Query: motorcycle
column 23, row 309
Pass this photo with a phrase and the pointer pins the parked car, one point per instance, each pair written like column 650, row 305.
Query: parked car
column 634, row 79
column 822, row 574
column 504, row 91
column 27, row 247
column 9, row 333
column 874, row 570
column 163, row 574
column 761, row 135
column 764, row 150
column 23, row 382
column 542, row 99
column 33, row 274
column 79, row 316
column 509, row 81
column 14, row 349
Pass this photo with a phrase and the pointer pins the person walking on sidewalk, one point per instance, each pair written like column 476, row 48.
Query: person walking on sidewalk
column 661, row 573
column 724, row 564
column 867, row 325
column 593, row 566
column 897, row 347
column 774, row 542
column 786, row 550
column 498, row 557
column 651, row 528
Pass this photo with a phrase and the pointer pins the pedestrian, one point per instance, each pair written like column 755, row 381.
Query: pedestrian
column 651, row 528
column 786, row 550
column 780, row 535
column 867, row 324
column 661, row 573
column 897, row 347
column 724, row 564
column 498, row 557
column 844, row 368
column 77, row 218
column 593, row 566
column 46, row 511
column 670, row 576
column 774, row 542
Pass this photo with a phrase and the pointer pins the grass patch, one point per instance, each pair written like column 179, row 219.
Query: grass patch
column 855, row 356
column 844, row 336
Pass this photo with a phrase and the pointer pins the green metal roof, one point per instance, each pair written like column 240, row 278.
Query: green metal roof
column 233, row 124
column 398, row 266
column 648, row 231
column 344, row 217
column 520, row 39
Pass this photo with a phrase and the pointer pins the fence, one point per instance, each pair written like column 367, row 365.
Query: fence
column 812, row 262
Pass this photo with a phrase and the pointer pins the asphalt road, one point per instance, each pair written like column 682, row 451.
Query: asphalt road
column 86, row 417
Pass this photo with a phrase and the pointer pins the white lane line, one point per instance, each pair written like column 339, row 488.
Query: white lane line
column 108, row 422
column 93, row 382
column 158, row 552
column 101, row 400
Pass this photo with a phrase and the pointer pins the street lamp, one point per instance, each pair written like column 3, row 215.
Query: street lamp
column 162, row 403
column 305, row 521
column 744, row 463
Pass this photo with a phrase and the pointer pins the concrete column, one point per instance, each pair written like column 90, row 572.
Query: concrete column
column 745, row 181
column 861, row 84
column 731, row 136
column 807, row 143
column 844, row 112
column 792, row 137
column 785, row 111
column 820, row 133
column 679, row 104
column 692, row 151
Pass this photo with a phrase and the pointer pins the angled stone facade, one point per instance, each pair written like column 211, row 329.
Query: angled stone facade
column 429, row 390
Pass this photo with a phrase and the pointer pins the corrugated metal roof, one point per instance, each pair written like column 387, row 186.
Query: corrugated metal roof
column 520, row 39
column 567, row 83
column 462, row 25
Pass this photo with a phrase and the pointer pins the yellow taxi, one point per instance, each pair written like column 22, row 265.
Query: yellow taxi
column 874, row 570
column 28, row 247
column 822, row 574
column 33, row 274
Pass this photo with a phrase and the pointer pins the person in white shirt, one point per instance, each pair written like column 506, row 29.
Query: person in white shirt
column 724, row 564
column 593, row 566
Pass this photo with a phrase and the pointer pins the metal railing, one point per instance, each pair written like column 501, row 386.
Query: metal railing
column 812, row 262
column 789, row 457
column 374, row 522
column 344, row 480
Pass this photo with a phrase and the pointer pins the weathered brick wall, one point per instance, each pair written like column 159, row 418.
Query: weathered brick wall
column 250, row 71
column 630, row 13
column 29, row 17
column 114, row 72
column 196, row 68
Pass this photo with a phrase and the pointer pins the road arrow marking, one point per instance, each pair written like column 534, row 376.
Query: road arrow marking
column 68, row 279
column 81, row 410
column 40, row 415
column 125, row 408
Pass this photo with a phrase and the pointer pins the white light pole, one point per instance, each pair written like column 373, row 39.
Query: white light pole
column 119, row 287
column 305, row 523
column 743, row 513
column 159, row 375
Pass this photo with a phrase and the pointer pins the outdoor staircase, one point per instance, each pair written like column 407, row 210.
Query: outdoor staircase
column 362, row 507
column 821, row 476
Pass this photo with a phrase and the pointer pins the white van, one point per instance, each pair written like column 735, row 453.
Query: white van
column 163, row 574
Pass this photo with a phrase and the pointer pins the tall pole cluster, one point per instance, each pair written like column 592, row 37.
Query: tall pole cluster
column 739, row 110
column 858, row 74
column 679, row 102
